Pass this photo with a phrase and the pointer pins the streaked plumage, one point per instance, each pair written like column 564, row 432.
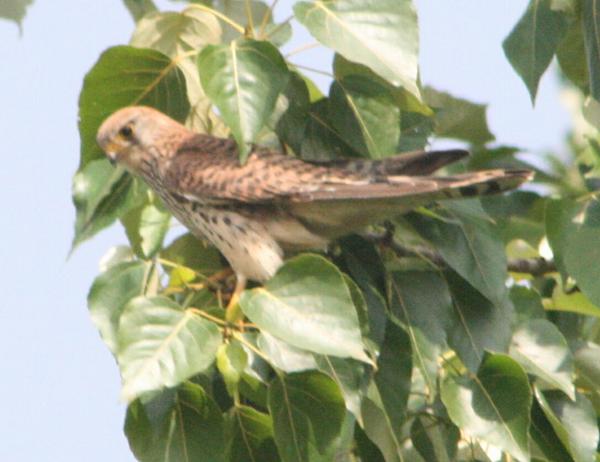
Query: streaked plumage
column 252, row 212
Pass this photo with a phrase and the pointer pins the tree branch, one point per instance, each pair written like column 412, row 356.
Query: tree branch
column 533, row 266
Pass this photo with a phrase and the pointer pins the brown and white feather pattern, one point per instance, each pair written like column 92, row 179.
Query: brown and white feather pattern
column 273, row 201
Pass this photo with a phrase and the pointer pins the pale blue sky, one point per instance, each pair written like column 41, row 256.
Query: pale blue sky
column 60, row 385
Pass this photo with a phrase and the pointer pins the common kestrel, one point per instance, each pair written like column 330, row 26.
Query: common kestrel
column 252, row 212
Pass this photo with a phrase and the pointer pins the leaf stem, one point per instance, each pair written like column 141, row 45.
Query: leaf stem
column 250, row 27
column 238, row 27
column 241, row 339
column 312, row 69
column 301, row 48
column 265, row 20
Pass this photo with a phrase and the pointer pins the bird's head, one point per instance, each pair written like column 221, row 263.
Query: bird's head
column 135, row 135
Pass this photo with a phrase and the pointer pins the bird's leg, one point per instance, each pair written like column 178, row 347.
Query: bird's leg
column 234, row 313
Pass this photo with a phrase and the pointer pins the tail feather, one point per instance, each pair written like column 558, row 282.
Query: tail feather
column 340, row 210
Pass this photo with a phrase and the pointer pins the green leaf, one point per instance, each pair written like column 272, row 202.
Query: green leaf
column 383, row 410
column 573, row 421
column 411, row 291
column 343, row 68
column 178, row 35
column 111, row 291
column 572, row 303
column 308, row 411
column 138, row 8
column 435, row 439
column 382, row 35
column 180, row 424
column 393, row 376
column 458, row 118
column 15, row 10
column 527, row 303
column 542, row 350
column 231, row 362
column 545, row 438
column 146, row 227
column 284, row 356
column 308, row 305
column 470, row 245
column 362, row 261
column 591, row 36
column 237, row 10
column 161, row 345
column 377, row 427
column 349, row 375
column 101, row 194
column 571, row 55
column 478, row 325
column 250, row 436
column 243, row 79
column 321, row 141
column 365, row 116
column 532, row 43
column 188, row 251
column 559, row 217
column 125, row 76
column 587, row 365
column 581, row 259
column 493, row 406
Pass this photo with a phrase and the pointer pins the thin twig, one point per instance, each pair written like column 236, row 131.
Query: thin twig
column 534, row 266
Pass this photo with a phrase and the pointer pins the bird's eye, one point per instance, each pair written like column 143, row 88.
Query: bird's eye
column 126, row 132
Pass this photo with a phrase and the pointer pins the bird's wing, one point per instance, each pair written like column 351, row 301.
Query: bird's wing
column 415, row 163
column 208, row 170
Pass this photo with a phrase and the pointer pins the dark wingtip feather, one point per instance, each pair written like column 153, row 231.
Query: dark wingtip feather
column 421, row 163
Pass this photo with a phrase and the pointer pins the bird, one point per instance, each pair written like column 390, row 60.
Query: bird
column 274, row 202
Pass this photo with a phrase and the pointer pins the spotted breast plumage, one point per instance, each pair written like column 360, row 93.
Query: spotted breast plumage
column 253, row 212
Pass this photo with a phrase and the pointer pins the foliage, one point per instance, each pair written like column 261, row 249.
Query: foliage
column 447, row 352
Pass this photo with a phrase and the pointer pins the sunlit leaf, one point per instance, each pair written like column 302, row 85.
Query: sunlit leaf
column 161, row 345
column 111, row 291
column 231, row 362
column 179, row 35
column 543, row 351
column 493, row 406
column 180, row 424
column 243, row 79
column 382, row 35
column 574, row 423
column 308, row 305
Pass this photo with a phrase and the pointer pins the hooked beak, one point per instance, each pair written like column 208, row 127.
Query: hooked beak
column 112, row 158
column 110, row 149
